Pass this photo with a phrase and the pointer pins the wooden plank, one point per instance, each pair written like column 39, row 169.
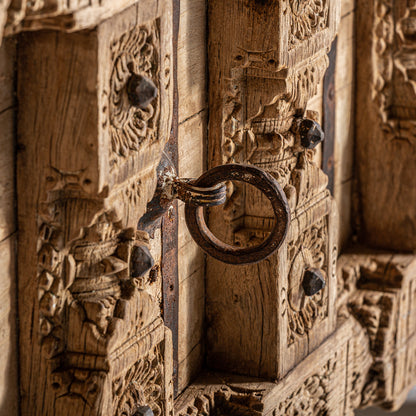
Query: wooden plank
column 385, row 128
column 7, row 176
column 191, row 314
column 7, row 74
column 192, row 58
column 190, row 367
column 191, row 145
column 9, row 390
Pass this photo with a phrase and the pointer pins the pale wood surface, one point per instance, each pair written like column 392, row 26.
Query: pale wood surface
column 90, row 171
column 192, row 83
column 344, row 122
column 8, row 314
column 95, row 342
column 192, row 113
column 9, row 396
column 385, row 123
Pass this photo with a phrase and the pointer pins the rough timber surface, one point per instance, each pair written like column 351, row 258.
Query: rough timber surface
column 93, row 340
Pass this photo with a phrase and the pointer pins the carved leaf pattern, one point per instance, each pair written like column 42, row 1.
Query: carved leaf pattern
column 311, row 397
column 309, row 250
column 135, row 52
column 141, row 385
column 393, row 68
column 307, row 18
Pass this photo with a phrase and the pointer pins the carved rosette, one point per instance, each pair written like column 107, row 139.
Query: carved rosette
column 394, row 78
column 135, row 52
column 311, row 398
column 141, row 385
column 308, row 251
column 307, row 17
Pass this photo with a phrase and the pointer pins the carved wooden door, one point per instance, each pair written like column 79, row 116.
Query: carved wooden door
column 289, row 327
column 92, row 336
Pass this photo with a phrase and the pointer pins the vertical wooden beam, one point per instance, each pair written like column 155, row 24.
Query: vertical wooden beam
column 92, row 338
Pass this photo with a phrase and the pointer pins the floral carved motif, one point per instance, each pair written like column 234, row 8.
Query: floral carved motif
column 311, row 397
column 309, row 250
column 394, row 77
column 141, row 385
column 307, row 18
column 135, row 52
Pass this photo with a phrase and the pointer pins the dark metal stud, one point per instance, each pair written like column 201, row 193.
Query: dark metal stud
column 141, row 261
column 144, row 411
column 311, row 133
column 313, row 281
column 141, row 91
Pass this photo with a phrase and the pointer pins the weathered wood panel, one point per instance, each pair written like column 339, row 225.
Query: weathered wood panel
column 385, row 123
column 9, row 389
column 95, row 343
column 266, row 63
column 192, row 108
column 344, row 122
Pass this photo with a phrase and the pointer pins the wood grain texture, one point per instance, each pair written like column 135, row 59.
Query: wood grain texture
column 192, row 83
column 7, row 174
column 193, row 115
column 9, row 389
column 385, row 121
column 266, row 63
column 7, row 76
column 95, row 343
column 345, row 121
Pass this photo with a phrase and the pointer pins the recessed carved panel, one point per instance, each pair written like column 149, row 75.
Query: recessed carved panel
column 307, row 17
column 135, row 52
column 141, row 385
column 309, row 250
column 311, row 397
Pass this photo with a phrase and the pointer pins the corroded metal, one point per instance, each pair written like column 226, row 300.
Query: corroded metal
column 186, row 191
column 313, row 281
column 210, row 190
column 141, row 91
column 309, row 131
column 228, row 253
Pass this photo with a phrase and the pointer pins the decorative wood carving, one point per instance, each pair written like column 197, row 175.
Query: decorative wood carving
column 318, row 385
column 95, row 342
column 308, row 251
column 260, row 85
column 382, row 298
column 91, row 329
column 137, row 51
column 355, row 336
column 307, row 18
column 385, row 125
column 65, row 15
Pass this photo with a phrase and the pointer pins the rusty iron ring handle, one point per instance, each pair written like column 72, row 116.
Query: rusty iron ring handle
column 227, row 253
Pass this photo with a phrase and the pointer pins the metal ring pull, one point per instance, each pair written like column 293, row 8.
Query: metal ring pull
column 225, row 252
